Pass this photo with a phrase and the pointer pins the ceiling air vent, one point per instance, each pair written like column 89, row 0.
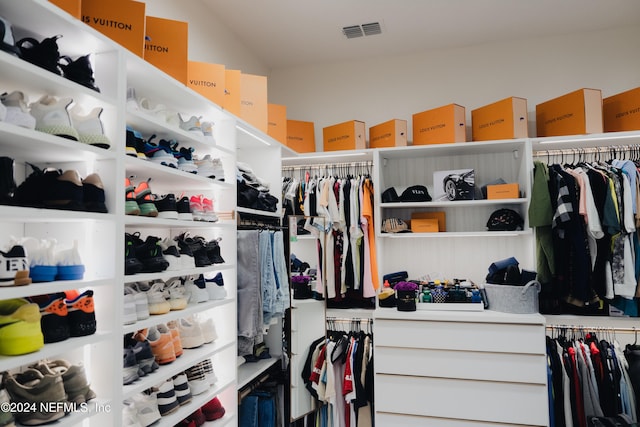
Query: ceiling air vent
column 355, row 31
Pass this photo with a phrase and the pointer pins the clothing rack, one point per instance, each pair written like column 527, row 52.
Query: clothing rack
column 604, row 329
column 599, row 153
column 340, row 169
column 354, row 324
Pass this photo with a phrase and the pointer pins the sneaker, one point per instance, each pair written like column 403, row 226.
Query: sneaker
column 161, row 344
column 185, row 160
column 208, row 328
column 7, row 179
column 175, row 291
column 209, row 214
column 191, row 125
column 52, row 116
column 190, row 333
column 208, row 370
column 197, row 379
column 93, row 194
column 196, row 418
column 62, row 190
column 184, row 209
column 161, row 157
column 14, row 267
column 130, row 205
column 215, row 287
column 132, row 265
column 145, row 199
column 6, row 417
column 42, row 260
column 172, row 327
column 44, row 54
column 20, row 331
column 89, row 127
column 17, row 110
column 218, row 169
column 197, row 246
column 196, row 289
column 213, row 409
column 145, row 359
column 8, row 43
column 186, row 254
column 31, row 386
column 213, row 251
column 79, row 71
column 69, row 263
column 130, row 416
column 81, row 315
column 166, row 397
column 130, row 367
column 166, row 206
column 181, row 387
column 149, row 252
column 135, row 144
column 53, row 316
column 140, row 300
column 197, row 209
column 171, row 253
column 146, row 407
column 74, row 379
column 207, row 129
column 129, row 310
column 210, row 167
column 158, row 304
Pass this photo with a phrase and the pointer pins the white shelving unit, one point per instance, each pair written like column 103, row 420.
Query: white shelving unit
column 101, row 236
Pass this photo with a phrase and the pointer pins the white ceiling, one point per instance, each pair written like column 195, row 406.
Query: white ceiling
column 286, row 33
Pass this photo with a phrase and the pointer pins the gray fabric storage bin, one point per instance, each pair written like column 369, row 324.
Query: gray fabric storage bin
column 513, row 299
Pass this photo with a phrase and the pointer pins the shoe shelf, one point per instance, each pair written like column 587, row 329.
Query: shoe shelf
column 53, row 349
column 176, row 314
column 93, row 407
column 18, row 142
column 249, row 371
column 197, row 402
column 169, row 177
column 52, row 287
column 23, row 214
column 190, row 357
column 258, row 212
column 225, row 420
column 151, row 222
column 167, row 274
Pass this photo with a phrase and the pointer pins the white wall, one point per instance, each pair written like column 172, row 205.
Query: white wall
column 210, row 40
column 381, row 89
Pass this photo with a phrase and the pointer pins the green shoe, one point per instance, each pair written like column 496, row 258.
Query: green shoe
column 20, row 331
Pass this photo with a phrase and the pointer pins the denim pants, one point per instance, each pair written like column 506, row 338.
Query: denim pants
column 249, row 292
column 258, row 410
column 268, row 276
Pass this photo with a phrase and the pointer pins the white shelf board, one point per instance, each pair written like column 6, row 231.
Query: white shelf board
column 447, row 234
column 452, row 149
column 454, row 204
column 23, row 214
column 471, row 306
column 168, row 274
column 249, row 371
column 51, row 287
column 275, row 214
column 155, row 222
column 485, row 316
column 327, row 158
column 170, row 178
column 601, row 140
column 189, row 358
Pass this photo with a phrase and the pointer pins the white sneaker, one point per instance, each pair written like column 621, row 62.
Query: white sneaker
column 176, row 294
column 146, row 106
column 89, row 127
column 140, row 300
column 196, row 293
column 192, row 125
column 190, row 334
column 69, row 262
column 207, row 130
column 130, row 416
column 129, row 317
column 158, row 304
column 207, row 327
column 146, row 407
column 169, row 250
column 161, row 157
column 210, row 167
column 17, row 110
column 52, row 116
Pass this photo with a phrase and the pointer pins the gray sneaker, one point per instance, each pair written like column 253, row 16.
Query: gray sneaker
column 74, row 379
column 6, row 418
column 31, row 386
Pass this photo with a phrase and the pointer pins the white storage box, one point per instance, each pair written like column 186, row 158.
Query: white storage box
column 513, row 299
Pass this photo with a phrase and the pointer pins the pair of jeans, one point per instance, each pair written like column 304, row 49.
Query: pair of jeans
column 249, row 292
column 258, row 410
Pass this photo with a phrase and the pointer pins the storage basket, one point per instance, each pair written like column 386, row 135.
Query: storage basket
column 513, row 299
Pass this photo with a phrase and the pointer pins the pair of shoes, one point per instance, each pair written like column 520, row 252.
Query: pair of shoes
column 55, row 189
column 171, row 394
column 143, row 256
column 191, row 335
column 6, row 417
column 205, row 252
column 65, row 314
column 20, row 331
column 139, row 359
column 139, row 199
column 210, row 167
column 140, row 410
column 214, row 286
column 32, row 386
column 201, row 377
column 202, row 209
column 14, row 267
column 45, row 54
column 136, row 303
column 48, row 261
column 74, row 378
column 206, row 326
column 164, row 341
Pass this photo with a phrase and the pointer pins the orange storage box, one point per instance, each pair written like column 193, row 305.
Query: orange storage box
column 349, row 135
column 576, row 113
column 503, row 191
column 388, row 134
column 621, row 112
column 301, row 136
column 505, row 119
column 440, row 126
column 277, row 122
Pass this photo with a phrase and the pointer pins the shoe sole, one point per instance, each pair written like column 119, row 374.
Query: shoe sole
column 162, row 308
column 60, row 130
column 168, row 215
column 148, row 209
column 129, row 375
column 178, row 304
column 21, row 278
column 100, row 141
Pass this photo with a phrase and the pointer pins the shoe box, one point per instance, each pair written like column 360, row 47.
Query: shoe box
column 441, row 125
column 575, row 113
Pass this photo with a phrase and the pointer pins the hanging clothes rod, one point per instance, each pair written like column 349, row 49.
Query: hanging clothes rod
column 325, row 166
column 613, row 149
column 630, row 330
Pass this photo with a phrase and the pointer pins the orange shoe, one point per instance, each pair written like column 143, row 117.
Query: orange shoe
column 131, row 205
column 145, row 200
column 161, row 343
column 172, row 327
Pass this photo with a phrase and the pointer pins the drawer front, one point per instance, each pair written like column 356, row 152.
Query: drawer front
column 471, row 400
column 488, row 337
column 518, row 368
column 388, row 420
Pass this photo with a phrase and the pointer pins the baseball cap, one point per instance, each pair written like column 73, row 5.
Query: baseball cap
column 395, row 225
column 414, row 193
column 505, row 220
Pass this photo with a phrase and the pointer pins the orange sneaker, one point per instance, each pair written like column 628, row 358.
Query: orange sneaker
column 161, row 343
column 172, row 327
column 131, row 205
column 144, row 199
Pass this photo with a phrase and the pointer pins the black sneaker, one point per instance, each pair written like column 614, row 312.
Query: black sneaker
column 44, row 54
column 197, row 246
column 54, row 317
column 213, row 251
column 184, row 209
column 149, row 253
column 7, row 181
column 7, row 40
column 132, row 265
column 62, row 190
column 166, row 206
column 29, row 192
column 93, row 194
column 82, row 317
column 79, row 71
